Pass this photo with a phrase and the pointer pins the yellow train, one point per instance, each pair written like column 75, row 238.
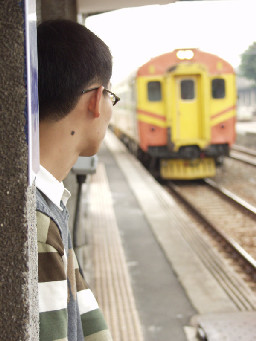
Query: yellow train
column 177, row 112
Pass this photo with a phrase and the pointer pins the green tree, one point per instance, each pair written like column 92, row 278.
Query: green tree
column 248, row 63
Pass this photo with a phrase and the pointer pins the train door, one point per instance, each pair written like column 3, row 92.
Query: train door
column 188, row 109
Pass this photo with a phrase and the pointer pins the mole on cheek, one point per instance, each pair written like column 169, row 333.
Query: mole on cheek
column 72, row 132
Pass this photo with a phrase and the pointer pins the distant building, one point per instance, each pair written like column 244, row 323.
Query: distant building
column 246, row 102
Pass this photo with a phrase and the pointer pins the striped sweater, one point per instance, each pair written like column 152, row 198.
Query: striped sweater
column 67, row 307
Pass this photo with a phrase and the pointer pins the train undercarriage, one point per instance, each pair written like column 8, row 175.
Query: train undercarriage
column 189, row 162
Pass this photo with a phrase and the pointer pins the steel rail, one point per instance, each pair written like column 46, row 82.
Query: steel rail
column 235, row 249
column 232, row 197
column 243, row 154
column 244, row 150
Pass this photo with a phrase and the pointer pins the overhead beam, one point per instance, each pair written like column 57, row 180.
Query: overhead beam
column 92, row 6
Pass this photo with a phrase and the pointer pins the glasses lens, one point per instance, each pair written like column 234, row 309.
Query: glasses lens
column 113, row 99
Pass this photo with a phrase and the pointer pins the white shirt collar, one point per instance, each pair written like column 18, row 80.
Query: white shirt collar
column 51, row 187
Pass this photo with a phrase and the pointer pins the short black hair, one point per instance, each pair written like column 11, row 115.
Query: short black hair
column 70, row 59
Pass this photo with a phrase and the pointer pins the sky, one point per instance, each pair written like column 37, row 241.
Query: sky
column 135, row 35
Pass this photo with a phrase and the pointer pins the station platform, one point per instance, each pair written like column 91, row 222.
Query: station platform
column 149, row 282
column 246, row 134
column 246, row 127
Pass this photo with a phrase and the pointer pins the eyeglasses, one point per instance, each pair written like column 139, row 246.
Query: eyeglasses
column 114, row 98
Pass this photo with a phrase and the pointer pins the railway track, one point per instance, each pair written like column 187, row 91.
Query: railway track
column 243, row 154
column 231, row 227
column 229, row 254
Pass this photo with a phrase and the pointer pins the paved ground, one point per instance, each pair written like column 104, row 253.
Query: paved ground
column 123, row 201
column 162, row 303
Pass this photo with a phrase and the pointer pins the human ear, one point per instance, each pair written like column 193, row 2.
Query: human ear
column 94, row 102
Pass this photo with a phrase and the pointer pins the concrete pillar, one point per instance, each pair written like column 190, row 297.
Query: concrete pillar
column 18, row 252
column 52, row 9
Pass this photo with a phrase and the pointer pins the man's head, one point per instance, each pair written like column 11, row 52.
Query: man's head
column 70, row 59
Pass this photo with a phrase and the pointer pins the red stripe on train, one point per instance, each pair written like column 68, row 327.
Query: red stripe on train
column 223, row 112
column 150, row 114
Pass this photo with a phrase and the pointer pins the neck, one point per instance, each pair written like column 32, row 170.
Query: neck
column 58, row 151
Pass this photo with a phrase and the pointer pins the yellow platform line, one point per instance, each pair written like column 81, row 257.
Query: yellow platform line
column 112, row 283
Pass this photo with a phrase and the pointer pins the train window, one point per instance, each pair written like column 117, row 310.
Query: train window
column 187, row 89
column 154, row 91
column 218, row 88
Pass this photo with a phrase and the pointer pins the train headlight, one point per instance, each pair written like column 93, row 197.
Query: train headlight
column 185, row 54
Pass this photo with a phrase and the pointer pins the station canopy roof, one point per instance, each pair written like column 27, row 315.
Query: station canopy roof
column 97, row 6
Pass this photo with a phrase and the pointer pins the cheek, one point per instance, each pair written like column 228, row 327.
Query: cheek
column 110, row 111
column 107, row 110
